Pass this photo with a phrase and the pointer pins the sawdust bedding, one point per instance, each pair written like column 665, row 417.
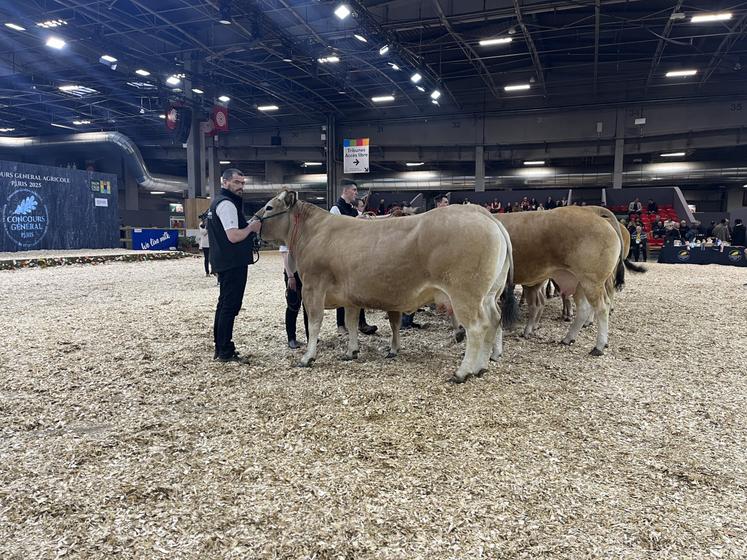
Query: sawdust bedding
column 121, row 438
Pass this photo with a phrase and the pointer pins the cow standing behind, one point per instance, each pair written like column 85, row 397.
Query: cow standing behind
column 458, row 255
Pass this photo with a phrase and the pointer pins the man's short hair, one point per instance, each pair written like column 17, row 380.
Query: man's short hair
column 348, row 184
column 229, row 173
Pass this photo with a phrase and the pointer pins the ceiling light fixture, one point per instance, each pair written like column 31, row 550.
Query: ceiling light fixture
column 535, row 162
column 496, row 41
column 420, row 88
column 705, row 18
column 224, row 99
column 312, row 163
column 382, row 98
column 141, row 72
column 674, row 154
column 361, row 38
column 173, row 81
column 681, row 73
column 414, row 163
column 382, row 51
column 6, row 129
column 81, row 122
column 342, row 11
column 331, row 59
column 416, row 77
column 198, row 91
column 268, row 108
column 157, row 192
column 15, row 26
column 55, row 43
column 108, row 58
column 224, row 162
column 51, row 23
column 517, row 87
column 435, row 94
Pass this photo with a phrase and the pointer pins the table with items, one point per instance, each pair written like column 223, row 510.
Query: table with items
column 731, row 255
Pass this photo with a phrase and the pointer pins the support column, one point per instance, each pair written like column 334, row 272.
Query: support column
column 132, row 194
column 332, row 170
column 195, row 162
column 479, row 168
column 213, row 167
column 274, row 172
column 617, row 173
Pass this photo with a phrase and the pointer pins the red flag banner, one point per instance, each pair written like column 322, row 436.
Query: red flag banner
column 220, row 118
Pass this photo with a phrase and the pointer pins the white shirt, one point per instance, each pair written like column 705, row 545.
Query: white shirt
column 335, row 210
column 204, row 241
column 284, row 249
column 228, row 215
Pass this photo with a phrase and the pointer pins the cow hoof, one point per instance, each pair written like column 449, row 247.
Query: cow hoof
column 481, row 372
column 391, row 355
column 595, row 352
column 495, row 358
column 456, row 380
column 567, row 343
column 307, row 364
column 567, row 319
column 606, row 345
column 346, row 358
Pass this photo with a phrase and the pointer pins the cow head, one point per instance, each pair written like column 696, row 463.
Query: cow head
column 276, row 216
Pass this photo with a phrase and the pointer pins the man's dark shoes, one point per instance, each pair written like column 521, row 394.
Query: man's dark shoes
column 234, row 358
column 368, row 329
column 293, row 344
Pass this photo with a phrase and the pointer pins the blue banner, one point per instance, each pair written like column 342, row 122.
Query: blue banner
column 56, row 208
column 154, row 239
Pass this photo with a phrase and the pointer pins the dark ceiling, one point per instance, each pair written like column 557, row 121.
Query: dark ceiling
column 570, row 52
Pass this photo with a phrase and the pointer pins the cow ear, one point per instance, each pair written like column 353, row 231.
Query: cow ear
column 290, row 198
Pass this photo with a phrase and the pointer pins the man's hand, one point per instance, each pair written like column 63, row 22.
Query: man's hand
column 292, row 283
column 254, row 226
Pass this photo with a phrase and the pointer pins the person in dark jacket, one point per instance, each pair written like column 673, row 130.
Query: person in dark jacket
column 652, row 207
column 344, row 207
column 673, row 234
column 658, row 229
column 230, row 237
column 738, row 233
column 639, row 244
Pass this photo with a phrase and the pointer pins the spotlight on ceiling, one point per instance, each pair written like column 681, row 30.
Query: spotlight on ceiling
column 224, row 16
column 496, row 41
column 224, row 162
column 420, row 88
column 55, row 43
column 383, row 50
column 173, row 80
column 342, row 11
column 224, row 99
column 517, row 87
column 394, row 66
column 198, row 91
column 266, row 108
column 680, row 73
column 361, row 38
column 108, row 60
column 141, row 72
column 416, row 77
column 435, row 94
column 382, row 98
column 15, row 26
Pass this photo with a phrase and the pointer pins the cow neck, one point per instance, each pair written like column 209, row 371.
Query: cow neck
column 303, row 220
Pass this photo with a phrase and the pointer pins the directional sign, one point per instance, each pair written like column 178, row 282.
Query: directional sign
column 355, row 155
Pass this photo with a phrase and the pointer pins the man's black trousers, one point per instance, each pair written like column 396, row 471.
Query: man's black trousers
column 293, row 305
column 232, row 284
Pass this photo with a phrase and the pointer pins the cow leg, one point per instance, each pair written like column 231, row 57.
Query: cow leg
column 314, row 301
column 395, row 318
column 535, row 298
column 475, row 322
column 567, row 308
column 351, row 323
column 582, row 311
column 494, row 337
column 600, row 305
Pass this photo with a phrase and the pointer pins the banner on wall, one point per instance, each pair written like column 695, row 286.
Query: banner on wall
column 56, row 208
column 355, row 155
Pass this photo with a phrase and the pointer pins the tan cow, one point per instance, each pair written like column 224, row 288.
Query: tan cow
column 576, row 249
column 457, row 254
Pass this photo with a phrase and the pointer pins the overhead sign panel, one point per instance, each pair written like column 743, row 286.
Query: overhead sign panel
column 355, row 155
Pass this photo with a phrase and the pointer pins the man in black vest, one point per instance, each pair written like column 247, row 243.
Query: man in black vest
column 345, row 206
column 230, row 238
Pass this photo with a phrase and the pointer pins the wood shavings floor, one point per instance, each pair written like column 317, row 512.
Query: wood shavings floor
column 121, row 438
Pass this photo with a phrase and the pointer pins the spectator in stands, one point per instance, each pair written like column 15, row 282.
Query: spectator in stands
column 465, row 201
column 709, row 231
column 692, row 232
column 533, row 203
column 509, row 208
column 442, row 201
column 204, row 242
column 525, row 204
column 344, row 207
column 652, row 207
column 673, row 233
column 549, row 203
column 738, row 234
column 495, row 206
column 382, row 207
column 658, row 229
column 639, row 244
column 563, row 202
column 683, row 229
column 721, row 231
column 635, row 207
column 540, row 207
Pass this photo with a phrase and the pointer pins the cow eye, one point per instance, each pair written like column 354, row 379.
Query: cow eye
column 268, row 208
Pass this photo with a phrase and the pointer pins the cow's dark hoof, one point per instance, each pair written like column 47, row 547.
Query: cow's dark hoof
column 307, row 365
column 481, row 372
column 564, row 343
column 596, row 352
column 391, row 355
column 454, row 380
column 567, row 319
column 346, row 358
column 495, row 358
column 606, row 345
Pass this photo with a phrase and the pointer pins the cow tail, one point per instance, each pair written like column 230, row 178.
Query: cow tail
column 635, row 267
column 509, row 303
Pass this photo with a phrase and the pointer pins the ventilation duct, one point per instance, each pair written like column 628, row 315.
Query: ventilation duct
column 130, row 152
